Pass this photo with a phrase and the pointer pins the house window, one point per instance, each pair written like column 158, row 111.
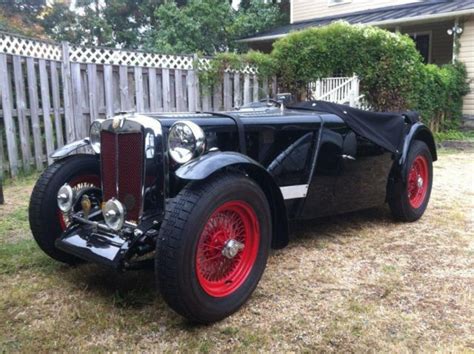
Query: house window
column 338, row 2
column 423, row 45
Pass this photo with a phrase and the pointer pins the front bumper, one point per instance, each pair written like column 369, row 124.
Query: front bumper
column 88, row 244
column 92, row 242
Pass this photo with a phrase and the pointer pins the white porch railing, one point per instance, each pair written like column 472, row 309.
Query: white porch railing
column 343, row 90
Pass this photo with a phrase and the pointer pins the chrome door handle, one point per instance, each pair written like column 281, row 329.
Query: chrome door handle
column 348, row 157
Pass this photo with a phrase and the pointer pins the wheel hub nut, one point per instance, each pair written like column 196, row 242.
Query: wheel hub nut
column 231, row 248
column 419, row 182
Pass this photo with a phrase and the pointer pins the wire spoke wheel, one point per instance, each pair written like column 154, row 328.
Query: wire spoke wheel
column 418, row 182
column 227, row 248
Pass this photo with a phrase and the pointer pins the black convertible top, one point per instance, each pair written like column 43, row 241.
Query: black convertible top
column 384, row 129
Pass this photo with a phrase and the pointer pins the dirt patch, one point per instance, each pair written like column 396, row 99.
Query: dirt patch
column 353, row 283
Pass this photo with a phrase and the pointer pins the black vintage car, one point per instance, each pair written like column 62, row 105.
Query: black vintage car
column 206, row 195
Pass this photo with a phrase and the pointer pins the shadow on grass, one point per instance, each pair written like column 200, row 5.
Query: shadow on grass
column 339, row 225
column 132, row 289
column 136, row 289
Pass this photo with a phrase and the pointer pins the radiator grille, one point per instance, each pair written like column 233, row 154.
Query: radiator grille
column 122, row 170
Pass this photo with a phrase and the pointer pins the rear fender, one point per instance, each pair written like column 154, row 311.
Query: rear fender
column 418, row 131
column 213, row 162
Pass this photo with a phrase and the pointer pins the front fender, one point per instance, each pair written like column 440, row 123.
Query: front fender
column 68, row 149
column 206, row 165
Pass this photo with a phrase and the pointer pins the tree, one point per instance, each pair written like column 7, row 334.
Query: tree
column 119, row 23
column 179, row 26
column 21, row 16
column 200, row 26
column 60, row 23
column 87, row 25
column 209, row 26
column 130, row 18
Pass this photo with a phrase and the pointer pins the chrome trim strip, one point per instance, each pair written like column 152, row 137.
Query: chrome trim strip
column 294, row 192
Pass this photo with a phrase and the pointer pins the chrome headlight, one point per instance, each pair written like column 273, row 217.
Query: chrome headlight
column 65, row 198
column 94, row 135
column 114, row 214
column 186, row 140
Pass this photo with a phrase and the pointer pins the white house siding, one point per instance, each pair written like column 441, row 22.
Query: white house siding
column 308, row 9
column 466, row 55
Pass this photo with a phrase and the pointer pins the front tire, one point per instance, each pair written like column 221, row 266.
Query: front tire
column 408, row 197
column 213, row 247
column 47, row 222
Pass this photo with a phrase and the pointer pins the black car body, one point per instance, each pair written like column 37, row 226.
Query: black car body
column 306, row 162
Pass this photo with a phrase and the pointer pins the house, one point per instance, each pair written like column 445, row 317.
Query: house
column 443, row 30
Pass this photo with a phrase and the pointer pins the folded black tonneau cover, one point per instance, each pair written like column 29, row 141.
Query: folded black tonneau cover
column 384, row 129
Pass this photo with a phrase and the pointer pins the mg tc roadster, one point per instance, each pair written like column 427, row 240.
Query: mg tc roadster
column 207, row 195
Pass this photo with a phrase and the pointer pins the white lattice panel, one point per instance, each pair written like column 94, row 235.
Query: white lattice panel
column 205, row 64
column 14, row 45
column 122, row 57
column 29, row 48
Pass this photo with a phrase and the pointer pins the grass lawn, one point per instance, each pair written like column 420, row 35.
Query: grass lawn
column 358, row 282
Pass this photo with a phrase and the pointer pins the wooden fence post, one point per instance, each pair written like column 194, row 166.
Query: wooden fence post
column 246, row 89
column 227, row 92
column 34, row 112
column 46, row 104
column 67, row 94
column 237, row 95
column 2, row 199
column 8, row 116
column 165, row 73
column 23, row 125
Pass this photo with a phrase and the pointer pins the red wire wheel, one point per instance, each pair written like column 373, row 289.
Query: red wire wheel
column 418, row 181
column 227, row 248
column 78, row 183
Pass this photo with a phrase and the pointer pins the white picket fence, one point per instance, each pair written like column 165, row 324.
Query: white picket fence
column 343, row 90
column 50, row 92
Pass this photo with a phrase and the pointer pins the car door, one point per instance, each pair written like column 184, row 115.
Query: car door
column 350, row 174
column 363, row 175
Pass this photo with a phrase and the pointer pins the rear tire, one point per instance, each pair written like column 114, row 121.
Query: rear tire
column 46, row 220
column 194, row 276
column 409, row 195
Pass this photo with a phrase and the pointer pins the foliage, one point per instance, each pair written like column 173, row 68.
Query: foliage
column 86, row 25
column 60, row 23
column 118, row 23
column 21, row 17
column 128, row 19
column 220, row 62
column 180, row 26
column 255, row 18
column 439, row 95
column 208, row 26
column 454, row 134
column 393, row 76
column 198, row 27
column 385, row 62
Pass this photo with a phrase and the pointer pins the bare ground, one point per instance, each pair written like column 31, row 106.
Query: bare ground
column 352, row 283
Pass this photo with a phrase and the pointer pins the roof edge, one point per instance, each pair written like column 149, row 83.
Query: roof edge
column 439, row 16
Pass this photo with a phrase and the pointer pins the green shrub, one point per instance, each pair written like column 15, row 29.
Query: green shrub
column 393, row 76
column 386, row 62
column 439, row 95
column 209, row 76
column 454, row 134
